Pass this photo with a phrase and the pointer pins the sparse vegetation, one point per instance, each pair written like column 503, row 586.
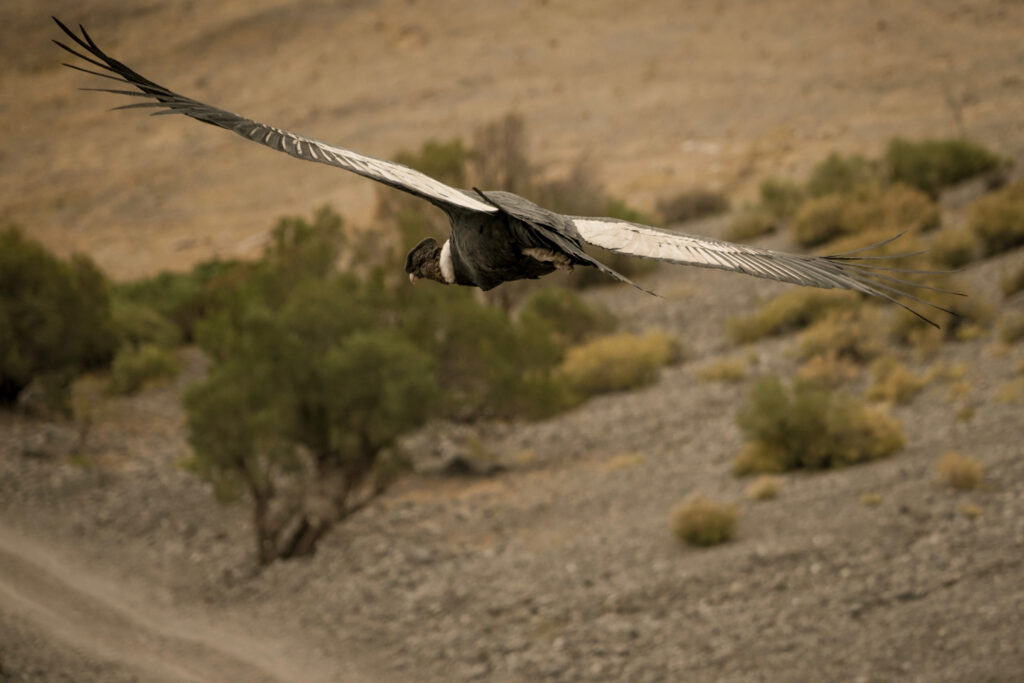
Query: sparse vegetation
column 792, row 310
column 892, row 381
column 838, row 174
column 1012, row 281
column 765, row 487
column 962, row 472
column 850, row 334
column 732, row 369
column 1011, row 328
column 870, row 499
column 780, row 198
column 998, row 219
column 617, row 362
column 566, row 315
column 688, row 206
column 931, row 165
column 952, row 248
column 807, row 427
column 703, row 522
column 136, row 366
column 867, row 215
column 750, row 223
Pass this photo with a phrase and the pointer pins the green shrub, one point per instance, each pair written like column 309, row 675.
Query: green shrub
column 563, row 313
column 840, row 175
column 1012, row 281
column 750, row 223
column 617, row 362
column 704, row 522
column 687, row 206
column 134, row 367
column 808, row 427
column 54, row 316
column 780, row 198
column 952, row 248
column 137, row 324
column 790, row 311
column 931, row 165
column 998, row 219
column 820, row 220
column 865, row 215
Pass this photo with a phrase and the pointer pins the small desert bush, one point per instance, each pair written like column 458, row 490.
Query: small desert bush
column 962, row 472
column 972, row 314
column 750, row 223
column 1012, row 282
column 617, row 362
column 692, row 204
column 1011, row 329
column 952, row 248
column 931, row 165
column 808, row 427
column 828, row 370
column 838, row 174
column 723, row 370
column 998, row 219
column 790, row 311
column 893, row 382
column 850, row 334
column 134, row 367
column 563, row 313
column 870, row 211
column 1009, row 392
column 704, row 522
column 780, row 198
column 765, row 487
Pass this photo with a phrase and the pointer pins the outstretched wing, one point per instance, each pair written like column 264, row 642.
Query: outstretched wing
column 840, row 271
column 169, row 102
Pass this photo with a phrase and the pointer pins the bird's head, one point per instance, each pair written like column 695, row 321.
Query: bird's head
column 424, row 261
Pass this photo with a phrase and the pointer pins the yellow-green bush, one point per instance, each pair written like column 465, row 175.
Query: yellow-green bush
column 828, row 369
column 931, row 165
column 841, row 174
column 1011, row 329
column 704, row 522
column 851, row 334
column 952, row 248
column 750, row 223
column 893, row 382
column 973, row 313
column 787, row 312
column 998, row 219
column 1012, row 281
column 867, row 211
column 960, row 471
column 780, row 198
column 808, row 427
column 765, row 487
column 617, row 362
column 561, row 311
column 134, row 367
column 820, row 220
column 723, row 370
column 697, row 203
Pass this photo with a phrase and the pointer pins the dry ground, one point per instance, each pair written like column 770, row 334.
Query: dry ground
column 123, row 568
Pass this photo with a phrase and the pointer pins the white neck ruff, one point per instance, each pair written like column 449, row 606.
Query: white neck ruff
column 445, row 261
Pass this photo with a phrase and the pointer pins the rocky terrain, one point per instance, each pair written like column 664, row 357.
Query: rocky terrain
column 560, row 566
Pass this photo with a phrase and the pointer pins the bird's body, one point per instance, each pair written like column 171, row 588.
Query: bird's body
column 498, row 236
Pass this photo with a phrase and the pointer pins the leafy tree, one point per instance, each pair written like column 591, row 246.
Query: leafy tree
column 54, row 317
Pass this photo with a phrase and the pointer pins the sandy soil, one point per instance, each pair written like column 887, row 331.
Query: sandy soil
column 122, row 567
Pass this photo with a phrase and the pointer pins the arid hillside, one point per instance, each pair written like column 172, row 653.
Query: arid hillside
column 660, row 96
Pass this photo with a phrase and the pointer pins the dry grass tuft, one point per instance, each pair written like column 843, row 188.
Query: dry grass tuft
column 998, row 219
column 765, row 487
column 790, row 311
column 871, row 499
column 893, row 382
column 704, row 522
column 732, row 369
column 969, row 510
column 953, row 248
column 962, row 472
column 1011, row 329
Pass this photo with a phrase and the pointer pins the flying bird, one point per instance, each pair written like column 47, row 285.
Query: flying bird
column 498, row 236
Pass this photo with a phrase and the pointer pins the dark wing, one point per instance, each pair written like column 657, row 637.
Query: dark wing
column 169, row 102
column 841, row 271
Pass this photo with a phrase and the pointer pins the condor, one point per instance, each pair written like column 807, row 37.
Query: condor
column 498, row 236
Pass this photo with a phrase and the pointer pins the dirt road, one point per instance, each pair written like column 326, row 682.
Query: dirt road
column 90, row 623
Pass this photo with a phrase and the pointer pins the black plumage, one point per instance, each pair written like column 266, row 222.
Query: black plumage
column 497, row 236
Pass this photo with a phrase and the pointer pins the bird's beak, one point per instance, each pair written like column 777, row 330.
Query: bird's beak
column 412, row 278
